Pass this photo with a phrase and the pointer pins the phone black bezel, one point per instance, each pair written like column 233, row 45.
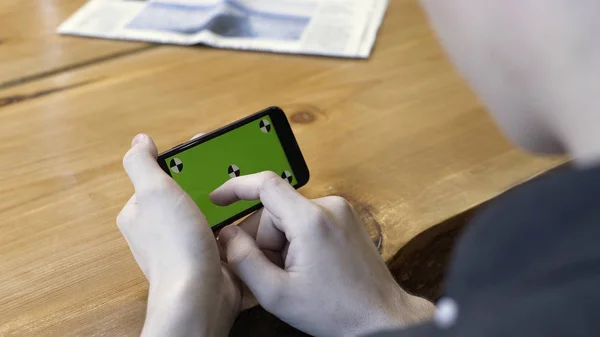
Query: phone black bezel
column 284, row 133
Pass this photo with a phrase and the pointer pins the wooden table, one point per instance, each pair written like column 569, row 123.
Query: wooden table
column 399, row 135
column 30, row 48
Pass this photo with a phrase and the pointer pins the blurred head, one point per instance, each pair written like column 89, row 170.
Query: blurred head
column 534, row 63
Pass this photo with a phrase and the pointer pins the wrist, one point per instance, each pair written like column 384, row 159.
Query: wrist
column 411, row 309
column 398, row 311
column 179, row 308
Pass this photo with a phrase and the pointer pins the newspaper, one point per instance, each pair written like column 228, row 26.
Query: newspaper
column 340, row 28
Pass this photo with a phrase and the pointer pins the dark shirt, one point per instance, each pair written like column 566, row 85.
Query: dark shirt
column 529, row 265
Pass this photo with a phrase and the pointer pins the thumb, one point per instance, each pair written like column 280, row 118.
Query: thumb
column 265, row 280
column 140, row 162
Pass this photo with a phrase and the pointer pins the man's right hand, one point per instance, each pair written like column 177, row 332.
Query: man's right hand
column 312, row 263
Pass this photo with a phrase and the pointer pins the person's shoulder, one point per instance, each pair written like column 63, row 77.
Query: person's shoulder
column 565, row 187
column 532, row 213
column 531, row 234
column 531, row 256
column 527, row 225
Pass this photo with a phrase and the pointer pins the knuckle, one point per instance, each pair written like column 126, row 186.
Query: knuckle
column 238, row 250
column 270, row 179
column 316, row 217
column 338, row 203
column 130, row 157
column 270, row 176
column 240, row 255
column 341, row 211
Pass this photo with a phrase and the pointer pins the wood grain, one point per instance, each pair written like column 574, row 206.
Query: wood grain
column 399, row 135
column 30, row 47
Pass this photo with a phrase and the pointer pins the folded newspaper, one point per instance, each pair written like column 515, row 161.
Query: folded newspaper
column 341, row 28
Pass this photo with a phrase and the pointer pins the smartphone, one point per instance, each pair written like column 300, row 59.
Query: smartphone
column 263, row 141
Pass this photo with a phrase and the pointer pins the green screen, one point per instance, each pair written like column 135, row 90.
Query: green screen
column 250, row 148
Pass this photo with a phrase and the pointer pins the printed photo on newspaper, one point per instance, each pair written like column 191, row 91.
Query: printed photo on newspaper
column 340, row 28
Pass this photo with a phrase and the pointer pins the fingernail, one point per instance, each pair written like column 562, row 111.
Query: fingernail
column 227, row 234
column 138, row 139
